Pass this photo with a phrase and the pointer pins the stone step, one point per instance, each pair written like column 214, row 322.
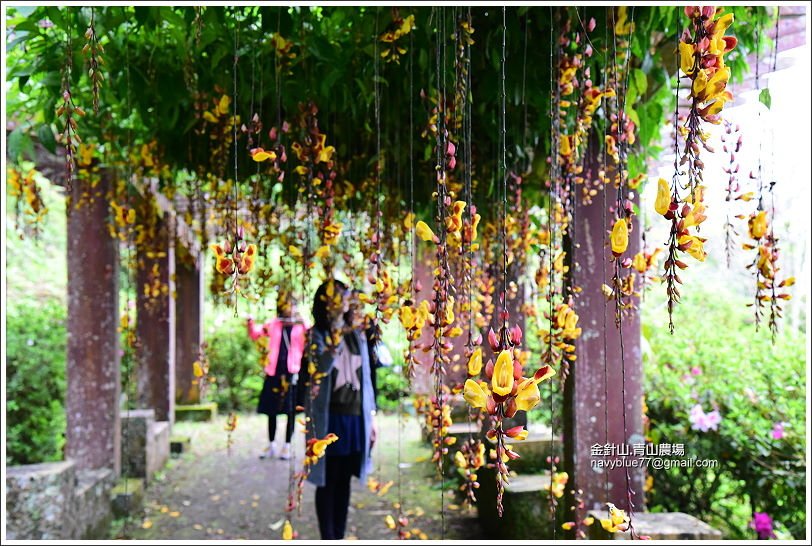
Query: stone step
column 526, row 515
column 657, row 525
column 196, row 412
column 179, row 444
column 128, row 497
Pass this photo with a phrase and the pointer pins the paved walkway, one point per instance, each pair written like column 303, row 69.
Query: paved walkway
column 219, row 493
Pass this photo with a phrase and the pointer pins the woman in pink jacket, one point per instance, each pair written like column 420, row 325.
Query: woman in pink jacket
column 286, row 339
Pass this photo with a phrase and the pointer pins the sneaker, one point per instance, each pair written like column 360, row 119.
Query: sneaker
column 285, row 454
column 269, row 452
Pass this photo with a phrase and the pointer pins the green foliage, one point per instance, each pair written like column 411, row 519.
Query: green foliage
column 754, row 385
column 392, row 386
column 234, row 362
column 765, row 98
column 35, row 382
column 158, row 57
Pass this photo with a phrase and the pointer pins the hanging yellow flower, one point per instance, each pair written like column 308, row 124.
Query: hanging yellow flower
column 686, row 58
column 475, row 394
column 502, row 380
column 527, row 395
column 757, row 225
column 408, row 221
column 454, row 221
column 475, row 362
column 694, row 246
column 424, row 231
column 259, row 155
column 622, row 24
column 620, row 237
column 663, row 201
column 695, row 216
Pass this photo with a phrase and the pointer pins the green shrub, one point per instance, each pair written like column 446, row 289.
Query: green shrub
column 392, row 386
column 717, row 360
column 35, row 382
column 234, row 362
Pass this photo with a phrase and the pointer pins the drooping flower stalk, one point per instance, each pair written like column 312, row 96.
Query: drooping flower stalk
column 702, row 47
column 731, row 144
column 68, row 111
column 471, row 454
column 93, row 49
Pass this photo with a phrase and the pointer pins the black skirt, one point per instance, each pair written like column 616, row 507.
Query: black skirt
column 272, row 399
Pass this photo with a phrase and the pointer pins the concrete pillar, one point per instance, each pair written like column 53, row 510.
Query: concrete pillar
column 585, row 399
column 189, row 328
column 156, row 315
column 93, row 371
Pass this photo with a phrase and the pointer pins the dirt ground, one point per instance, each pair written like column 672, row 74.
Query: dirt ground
column 215, row 492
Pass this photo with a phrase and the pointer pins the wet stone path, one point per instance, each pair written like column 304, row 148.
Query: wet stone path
column 220, row 492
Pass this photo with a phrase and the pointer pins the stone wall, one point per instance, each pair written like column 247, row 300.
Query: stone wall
column 55, row 501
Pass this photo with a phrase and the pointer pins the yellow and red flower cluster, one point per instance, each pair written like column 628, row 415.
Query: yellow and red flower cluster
column 469, row 459
column 702, row 60
column 507, row 386
column 506, row 392
column 316, row 447
column 438, row 419
column 691, row 215
column 765, row 266
column 231, row 259
column 399, row 28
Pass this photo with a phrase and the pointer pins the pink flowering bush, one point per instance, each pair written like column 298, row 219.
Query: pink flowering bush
column 704, row 421
column 729, row 395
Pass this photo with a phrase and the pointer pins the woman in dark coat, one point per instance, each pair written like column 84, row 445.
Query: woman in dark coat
column 344, row 405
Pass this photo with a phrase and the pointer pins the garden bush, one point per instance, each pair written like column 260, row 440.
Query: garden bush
column 721, row 364
column 392, row 386
column 234, row 361
column 35, row 382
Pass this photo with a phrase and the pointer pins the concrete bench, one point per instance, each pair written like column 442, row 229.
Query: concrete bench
column 55, row 501
column 201, row 413
column 657, row 525
column 144, row 444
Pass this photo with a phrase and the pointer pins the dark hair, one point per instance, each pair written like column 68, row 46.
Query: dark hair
column 321, row 318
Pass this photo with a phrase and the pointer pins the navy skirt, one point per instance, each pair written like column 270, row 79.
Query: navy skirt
column 272, row 399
